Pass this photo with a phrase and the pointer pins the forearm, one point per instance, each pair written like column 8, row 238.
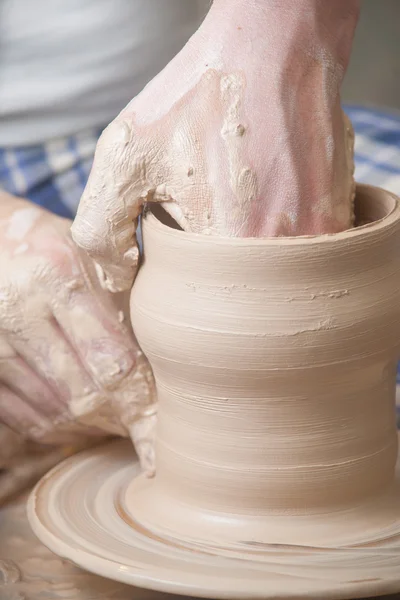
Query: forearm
column 312, row 27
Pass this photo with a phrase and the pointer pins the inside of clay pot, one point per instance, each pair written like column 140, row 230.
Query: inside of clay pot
column 370, row 205
column 161, row 214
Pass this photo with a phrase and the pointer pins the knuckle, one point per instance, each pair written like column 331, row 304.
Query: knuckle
column 116, row 135
column 36, row 433
column 12, row 301
column 60, row 265
column 8, row 297
column 115, row 144
column 117, row 373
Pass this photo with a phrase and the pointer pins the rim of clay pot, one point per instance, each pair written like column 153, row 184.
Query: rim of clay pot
column 383, row 205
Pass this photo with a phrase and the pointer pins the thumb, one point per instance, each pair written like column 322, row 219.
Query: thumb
column 106, row 221
column 143, row 433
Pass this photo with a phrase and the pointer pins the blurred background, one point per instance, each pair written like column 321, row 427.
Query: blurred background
column 373, row 77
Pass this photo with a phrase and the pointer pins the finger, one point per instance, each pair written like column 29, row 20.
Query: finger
column 20, row 378
column 51, row 357
column 30, row 423
column 102, row 344
column 142, row 433
column 11, row 444
column 106, row 221
column 105, row 346
column 20, row 416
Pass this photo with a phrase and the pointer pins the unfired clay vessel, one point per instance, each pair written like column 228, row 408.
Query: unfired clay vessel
column 275, row 362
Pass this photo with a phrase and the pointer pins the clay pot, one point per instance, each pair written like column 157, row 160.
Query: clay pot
column 275, row 365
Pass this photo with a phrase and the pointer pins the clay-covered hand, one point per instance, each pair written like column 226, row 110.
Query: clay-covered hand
column 69, row 364
column 242, row 134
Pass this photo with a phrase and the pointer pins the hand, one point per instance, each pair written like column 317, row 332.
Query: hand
column 69, row 364
column 242, row 134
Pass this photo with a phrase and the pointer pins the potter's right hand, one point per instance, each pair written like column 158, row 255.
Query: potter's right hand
column 68, row 361
column 242, row 134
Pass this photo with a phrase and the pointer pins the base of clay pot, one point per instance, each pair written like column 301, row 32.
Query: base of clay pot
column 371, row 522
column 86, row 510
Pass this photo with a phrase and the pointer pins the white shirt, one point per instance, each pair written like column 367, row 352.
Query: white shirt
column 67, row 65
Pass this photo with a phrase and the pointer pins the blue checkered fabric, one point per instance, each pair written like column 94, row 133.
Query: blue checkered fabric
column 377, row 147
column 54, row 174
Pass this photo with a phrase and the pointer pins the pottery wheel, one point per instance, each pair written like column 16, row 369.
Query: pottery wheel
column 78, row 511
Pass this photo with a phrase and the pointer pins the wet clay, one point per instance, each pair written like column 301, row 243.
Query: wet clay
column 81, row 511
column 28, row 571
column 274, row 361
